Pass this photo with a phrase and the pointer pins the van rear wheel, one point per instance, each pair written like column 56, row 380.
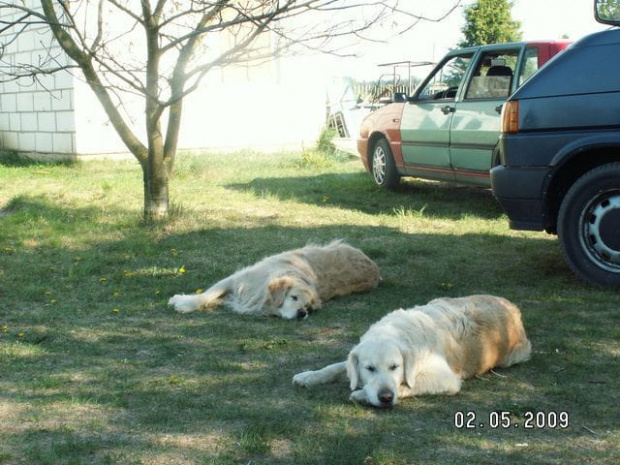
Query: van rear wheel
column 589, row 226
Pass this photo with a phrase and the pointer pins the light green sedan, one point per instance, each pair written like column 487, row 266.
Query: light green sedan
column 448, row 129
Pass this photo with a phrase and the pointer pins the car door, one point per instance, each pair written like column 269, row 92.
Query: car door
column 475, row 124
column 427, row 118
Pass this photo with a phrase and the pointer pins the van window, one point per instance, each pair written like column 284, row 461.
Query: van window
column 493, row 75
column 530, row 64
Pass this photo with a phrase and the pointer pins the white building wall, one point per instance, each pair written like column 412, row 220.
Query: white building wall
column 94, row 134
column 277, row 105
column 36, row 115
column 284, row 109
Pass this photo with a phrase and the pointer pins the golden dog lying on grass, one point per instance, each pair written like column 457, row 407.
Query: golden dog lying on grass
column 291, row 283
column 429, row 349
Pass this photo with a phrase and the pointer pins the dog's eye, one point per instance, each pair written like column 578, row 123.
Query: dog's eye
column 294, row 297
column 394, row 367
column 370, row 368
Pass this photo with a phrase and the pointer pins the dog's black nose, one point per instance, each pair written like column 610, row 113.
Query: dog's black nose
column 386, row 397
column 301, row 314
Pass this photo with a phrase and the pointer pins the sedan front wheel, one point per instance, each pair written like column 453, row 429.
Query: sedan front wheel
column 383, row 167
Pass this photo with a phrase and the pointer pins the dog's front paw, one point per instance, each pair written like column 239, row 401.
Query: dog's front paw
column 306, row 379
column 182, row 303
column 359, row 397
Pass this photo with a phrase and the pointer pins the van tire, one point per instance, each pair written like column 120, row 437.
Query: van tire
column 589, row 226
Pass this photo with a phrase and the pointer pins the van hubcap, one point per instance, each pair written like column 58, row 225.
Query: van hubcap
column 602, row 231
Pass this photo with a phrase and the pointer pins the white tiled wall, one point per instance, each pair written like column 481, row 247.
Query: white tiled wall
column 36, row 115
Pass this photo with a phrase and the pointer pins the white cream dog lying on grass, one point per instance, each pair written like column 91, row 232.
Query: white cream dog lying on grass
column 291, row 283
column 428, row 350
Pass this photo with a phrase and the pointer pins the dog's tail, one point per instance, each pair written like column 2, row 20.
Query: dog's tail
column 212, row 297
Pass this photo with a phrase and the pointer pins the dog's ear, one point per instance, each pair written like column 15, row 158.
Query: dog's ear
column 278, row 287
column 352, row 369
column 409, row 371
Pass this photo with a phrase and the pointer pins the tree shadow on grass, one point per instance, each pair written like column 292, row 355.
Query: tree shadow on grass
column 357, row 192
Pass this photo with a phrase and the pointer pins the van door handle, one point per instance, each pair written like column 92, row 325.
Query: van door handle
column 498, row 108
column 448, row 109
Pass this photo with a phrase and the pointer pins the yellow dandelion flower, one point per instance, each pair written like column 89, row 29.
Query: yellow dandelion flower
column 103, row 280
column 116, row 293
column 174, row 251
column 325, row 199
column 174, row 379
column 5, row 329
column 20, row 335
column 182, row 270
column 198, row 291
column 116, row 311
column 157, row 291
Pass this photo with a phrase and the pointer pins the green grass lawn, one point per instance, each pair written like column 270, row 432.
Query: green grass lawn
column 95, row 369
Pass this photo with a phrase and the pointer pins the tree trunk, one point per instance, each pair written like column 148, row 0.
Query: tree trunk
column 155, row 172
column 156, row 200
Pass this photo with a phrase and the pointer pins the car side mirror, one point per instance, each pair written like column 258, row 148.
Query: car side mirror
column 607, row 11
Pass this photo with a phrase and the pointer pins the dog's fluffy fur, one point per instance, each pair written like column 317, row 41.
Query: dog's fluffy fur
column 291, row 283
column 429, row 349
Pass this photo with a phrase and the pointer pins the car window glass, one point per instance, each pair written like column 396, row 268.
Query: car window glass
column 530, row 64
column 493, row 75
column 445, row 82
